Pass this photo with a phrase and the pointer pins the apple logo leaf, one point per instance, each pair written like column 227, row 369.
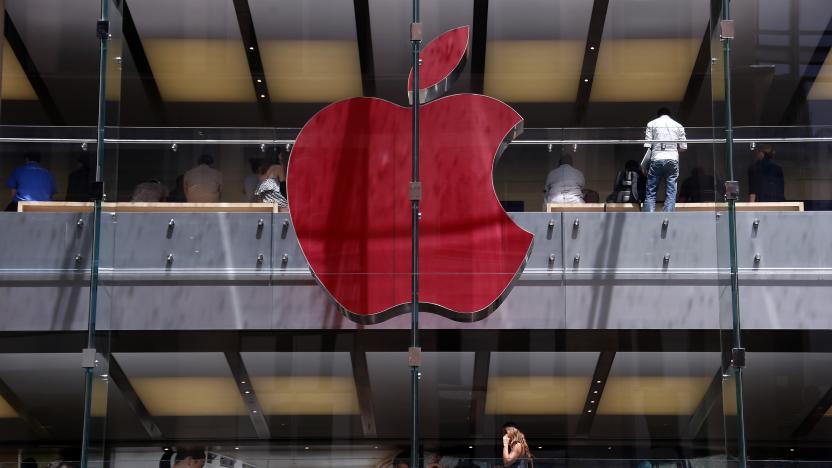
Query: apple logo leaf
column 442, row 61
column 347, row 185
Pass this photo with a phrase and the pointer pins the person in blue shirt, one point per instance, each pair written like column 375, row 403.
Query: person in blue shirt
column 30, row 182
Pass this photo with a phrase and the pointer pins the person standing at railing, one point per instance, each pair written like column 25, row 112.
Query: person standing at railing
column 765, row 177
column 661, row 162
column 203, row 184
column 79, row 181
column 30, row 182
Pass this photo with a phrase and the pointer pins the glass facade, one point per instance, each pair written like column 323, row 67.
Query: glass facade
column 179, row 320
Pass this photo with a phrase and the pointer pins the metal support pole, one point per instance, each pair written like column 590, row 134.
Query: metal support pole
column 103, row 31
column 415, row 195
column 737, row 351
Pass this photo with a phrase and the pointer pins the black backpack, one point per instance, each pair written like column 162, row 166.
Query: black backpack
column 626, row 187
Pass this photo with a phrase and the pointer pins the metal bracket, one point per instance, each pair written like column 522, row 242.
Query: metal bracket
column 416, row 32
column 726, row 29
column 738, row 358
column 732, row 190
column 102, row 30
column 415, row 191
column 414, row 357
column 88, row 358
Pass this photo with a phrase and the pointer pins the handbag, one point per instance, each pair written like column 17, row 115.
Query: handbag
column 645, row 161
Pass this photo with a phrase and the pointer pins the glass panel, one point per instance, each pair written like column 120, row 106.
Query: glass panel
column 216, row 338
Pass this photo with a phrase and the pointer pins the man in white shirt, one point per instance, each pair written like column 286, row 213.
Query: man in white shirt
column 661, row 135
column 203, row 184
column 565, row 184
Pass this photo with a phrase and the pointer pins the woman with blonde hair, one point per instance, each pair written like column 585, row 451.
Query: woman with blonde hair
column 516, row 451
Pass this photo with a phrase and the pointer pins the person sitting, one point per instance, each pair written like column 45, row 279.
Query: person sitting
column 268, row 190
column 565, row 184
column 30, row 182
column 765, row 177
column 149, row 192
column 203, row 183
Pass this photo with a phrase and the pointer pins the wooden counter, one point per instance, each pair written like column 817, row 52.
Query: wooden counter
column 124, row 207
column 618, row 207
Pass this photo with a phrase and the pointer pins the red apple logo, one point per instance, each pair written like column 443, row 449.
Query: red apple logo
column 348, row 181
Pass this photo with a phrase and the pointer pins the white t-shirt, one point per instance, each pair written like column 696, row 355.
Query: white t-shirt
column 565, row 184
column 665, row 129
column 203, row 184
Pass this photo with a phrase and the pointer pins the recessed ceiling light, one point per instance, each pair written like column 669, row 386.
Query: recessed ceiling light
column 591, row 47
column 251, row 48
column 243, row 382
column 539, row 447
column 236, row 448
column 259, row 80
column 586, row 80
column 248, row 391
column 470, row 446
column 597, row 381
column 263, row 96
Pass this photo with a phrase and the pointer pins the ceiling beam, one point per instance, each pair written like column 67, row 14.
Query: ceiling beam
column 32, row 74
column 712, row 395
column 246, row 389
column 14, row 401
column 361, row 376
column 479, row 389
column 701, row 66
column 255, row 63
column 815, row 415
column 595, row 392
column 364, row 36
column 591, row 50
column 134, row 44
column 117, row 376
column 807, row 79
column 479, row 41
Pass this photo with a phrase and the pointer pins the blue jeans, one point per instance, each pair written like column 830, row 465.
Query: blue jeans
column 667, row 169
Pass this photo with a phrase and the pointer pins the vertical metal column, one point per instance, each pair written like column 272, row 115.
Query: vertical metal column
column 732, row 193
column 88, row 361
column 414, row 354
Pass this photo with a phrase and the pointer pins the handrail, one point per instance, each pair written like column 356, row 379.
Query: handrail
column 537, row 141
